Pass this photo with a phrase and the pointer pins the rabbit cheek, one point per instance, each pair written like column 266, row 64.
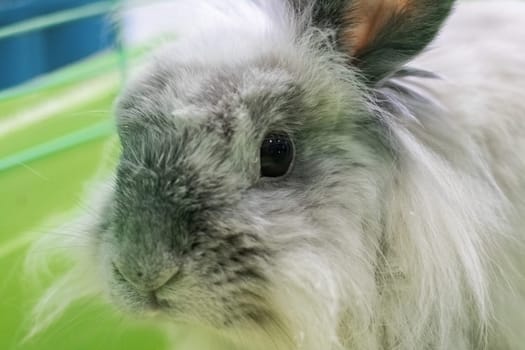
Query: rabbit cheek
column 229, row 271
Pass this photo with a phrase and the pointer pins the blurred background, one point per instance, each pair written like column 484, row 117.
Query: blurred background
column 63, row 63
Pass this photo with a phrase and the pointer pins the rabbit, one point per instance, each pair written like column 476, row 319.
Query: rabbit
column 319, row 175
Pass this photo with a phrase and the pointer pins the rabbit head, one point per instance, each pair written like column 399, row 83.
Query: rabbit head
column 253, row 195
column 254, row 164
column 249, row 192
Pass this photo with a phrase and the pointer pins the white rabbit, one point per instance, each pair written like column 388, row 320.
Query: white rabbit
column 298, row 175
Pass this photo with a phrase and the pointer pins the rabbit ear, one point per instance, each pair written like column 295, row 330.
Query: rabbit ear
column 379, row 35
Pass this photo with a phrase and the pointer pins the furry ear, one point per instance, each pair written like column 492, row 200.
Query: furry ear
column 379, row 35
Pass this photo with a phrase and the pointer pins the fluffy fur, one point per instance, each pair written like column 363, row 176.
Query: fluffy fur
column 401, row 223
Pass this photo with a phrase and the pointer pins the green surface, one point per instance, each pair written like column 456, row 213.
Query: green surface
column 29, row 197
column 57, row 126
column 32, row 193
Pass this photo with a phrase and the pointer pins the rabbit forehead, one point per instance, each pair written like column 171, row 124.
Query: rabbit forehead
column 211, row 131
column 179, row 96
column 226, row 107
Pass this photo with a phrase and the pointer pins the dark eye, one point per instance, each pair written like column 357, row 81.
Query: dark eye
column 277, row 153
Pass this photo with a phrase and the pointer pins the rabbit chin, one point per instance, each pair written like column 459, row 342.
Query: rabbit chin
column 284, row 320
column 180, row 303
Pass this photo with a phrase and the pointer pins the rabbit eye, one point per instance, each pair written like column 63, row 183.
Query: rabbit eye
column 277, row 154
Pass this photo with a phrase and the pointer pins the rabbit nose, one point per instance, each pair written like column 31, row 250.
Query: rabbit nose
column 146, row 279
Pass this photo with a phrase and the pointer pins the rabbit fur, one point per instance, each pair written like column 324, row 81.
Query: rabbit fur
column 400, row 225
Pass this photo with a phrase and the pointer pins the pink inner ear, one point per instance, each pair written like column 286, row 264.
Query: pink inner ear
column 366, row 19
